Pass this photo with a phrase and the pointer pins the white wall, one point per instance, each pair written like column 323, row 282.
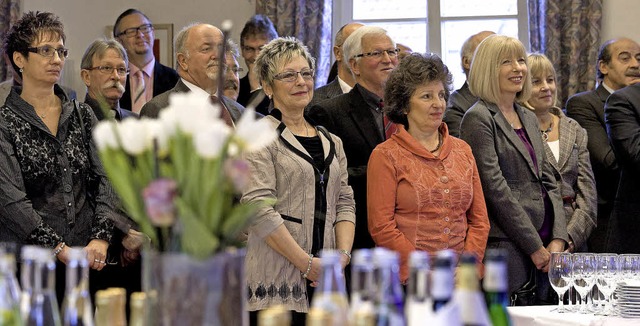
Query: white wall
column 620, row 18
column 85, row 20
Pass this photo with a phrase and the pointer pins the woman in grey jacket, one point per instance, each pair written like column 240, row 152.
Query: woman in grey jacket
column 523, row 199
column 305, row 173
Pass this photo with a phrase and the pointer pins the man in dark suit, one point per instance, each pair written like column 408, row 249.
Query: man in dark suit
column 356, row 117
column 257, row 32
column 622, row 116
column 104, row 70
column 617, row 67
column 344, row 81
column 461, row 100
column 147, row 77
column 198, row 70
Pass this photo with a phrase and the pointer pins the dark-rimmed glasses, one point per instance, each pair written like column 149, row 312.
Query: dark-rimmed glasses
column 290, row 76
column 133, row 31
column 107, row 70
column 48, row 51
column 378, row 54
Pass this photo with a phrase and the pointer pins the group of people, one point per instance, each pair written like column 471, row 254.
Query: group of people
column 383, row 155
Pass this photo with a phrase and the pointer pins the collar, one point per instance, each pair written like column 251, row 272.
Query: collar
column 148, row 68
column 344, row 86
column 195, row 89
column 609, row 89
column 405, row 140
column 370, row 98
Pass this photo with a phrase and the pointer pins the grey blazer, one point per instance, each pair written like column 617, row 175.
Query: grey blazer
column 152, row 108
column 326, row 92
column 578, row 186
column 510, row 180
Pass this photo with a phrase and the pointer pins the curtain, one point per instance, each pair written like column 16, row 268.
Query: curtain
column 9, row 14
column 568, row 32
column 307, row 20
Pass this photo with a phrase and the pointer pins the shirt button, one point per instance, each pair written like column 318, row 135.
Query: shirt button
column 447, row 204
column 446, row 218
column 441, row 167
column 446, row 191
column 69, row 204
column 67, row 188
column 444, row 179
column 447, row 231
column 65, row 169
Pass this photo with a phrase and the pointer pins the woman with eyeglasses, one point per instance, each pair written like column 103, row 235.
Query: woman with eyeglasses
column 304, row 173
column 54, row 191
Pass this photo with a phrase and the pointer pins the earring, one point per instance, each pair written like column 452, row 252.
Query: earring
column 21, row 70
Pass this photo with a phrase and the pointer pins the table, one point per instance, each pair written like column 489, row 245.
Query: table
column 544, row 316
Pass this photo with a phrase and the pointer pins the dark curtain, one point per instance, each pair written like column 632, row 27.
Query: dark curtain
column 568, row 32
column 307, row 20
column 9, row 14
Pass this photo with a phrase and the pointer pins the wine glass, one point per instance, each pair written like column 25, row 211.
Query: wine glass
column 560, row 275
column 607, row 267
column 584, row 272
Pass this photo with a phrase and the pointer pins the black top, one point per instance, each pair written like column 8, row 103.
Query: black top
column 313, row 145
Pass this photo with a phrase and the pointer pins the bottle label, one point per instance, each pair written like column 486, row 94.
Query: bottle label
column 441, row 284
column 495, row 279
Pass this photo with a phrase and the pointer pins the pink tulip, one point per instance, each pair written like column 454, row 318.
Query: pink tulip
column 158, row 200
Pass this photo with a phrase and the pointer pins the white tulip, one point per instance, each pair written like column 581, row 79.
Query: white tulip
column 192, row 112
column 209, row 139
column 104, row 135
column 253, row 134
column 155, row 129
column 133, row 136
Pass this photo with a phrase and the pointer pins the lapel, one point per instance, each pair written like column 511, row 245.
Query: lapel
column 567, row 141
column 125, row 100
column 512, row 137
column 291, row 138
column 362, row 118
column 334, row 89
column 602, row 94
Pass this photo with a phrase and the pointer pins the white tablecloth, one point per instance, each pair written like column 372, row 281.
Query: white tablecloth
column 543, row 316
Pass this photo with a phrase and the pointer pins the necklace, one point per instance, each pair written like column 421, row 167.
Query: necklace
column 545, row 133
column 439, row 144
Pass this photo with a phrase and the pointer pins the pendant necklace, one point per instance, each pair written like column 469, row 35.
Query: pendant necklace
column 545, row 133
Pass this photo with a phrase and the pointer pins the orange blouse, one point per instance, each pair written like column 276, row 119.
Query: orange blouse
column 417, row 201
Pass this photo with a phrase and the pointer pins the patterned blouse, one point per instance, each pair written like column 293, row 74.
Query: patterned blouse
column 418, row 201
column 52, row 187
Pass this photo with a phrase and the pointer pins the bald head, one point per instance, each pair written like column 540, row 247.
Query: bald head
column 344, row 71
column 469, row 47
column 198, row 51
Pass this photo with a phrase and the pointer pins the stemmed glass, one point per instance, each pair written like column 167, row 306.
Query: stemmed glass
column 607, row 267
column 584, row 272
column 560, row 275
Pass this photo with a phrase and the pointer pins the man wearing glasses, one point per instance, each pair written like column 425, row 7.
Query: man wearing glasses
column 147, row 77
column 104, row 71
column 356, row 117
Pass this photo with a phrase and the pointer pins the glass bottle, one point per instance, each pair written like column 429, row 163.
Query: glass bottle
column 77, row 309
column 441, row 282
column 43, row 305
column 418, row 303
column 470, row 299
column 137, row 305
column 104, row 307
column 330, row 295
column 9, row 299
column 496, row 287
column 277, row 315
column 389, row 301
column 28, row 257
column 362, row 285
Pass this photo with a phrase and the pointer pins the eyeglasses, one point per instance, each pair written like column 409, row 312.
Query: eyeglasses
column 290, row 76
column 107, row 70
column 133, row 31
column 378, row 54
column 48, row 51
column 236, row 70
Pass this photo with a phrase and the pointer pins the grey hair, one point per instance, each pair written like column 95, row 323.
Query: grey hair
column 278, row 52
column 98, row 48
column 232, row 47
column 353, row 44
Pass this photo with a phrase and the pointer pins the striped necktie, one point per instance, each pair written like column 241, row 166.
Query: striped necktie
column 139, row 98
column 390, row 128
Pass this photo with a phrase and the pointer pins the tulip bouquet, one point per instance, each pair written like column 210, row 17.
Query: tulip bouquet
column 178, row 176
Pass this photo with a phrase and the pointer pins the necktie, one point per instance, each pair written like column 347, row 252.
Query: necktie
column 138, row 99
column 224, row 113
column 390, row 128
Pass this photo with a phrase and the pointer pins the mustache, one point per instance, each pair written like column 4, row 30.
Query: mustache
column 231, row 84
column 114, row 84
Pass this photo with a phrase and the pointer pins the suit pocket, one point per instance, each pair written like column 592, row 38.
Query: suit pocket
column 294, row 226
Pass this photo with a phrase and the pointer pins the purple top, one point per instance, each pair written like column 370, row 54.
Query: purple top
column 545, row 229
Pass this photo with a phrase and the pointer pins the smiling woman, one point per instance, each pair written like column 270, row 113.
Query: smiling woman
column 54, row 192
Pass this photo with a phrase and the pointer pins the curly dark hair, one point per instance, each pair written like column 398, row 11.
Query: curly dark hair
column 413, row 71
column 31, row 26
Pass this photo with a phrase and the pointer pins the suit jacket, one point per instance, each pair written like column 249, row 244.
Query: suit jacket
column 622, row 115
column 511, row 182
column 348, row 117
column 164, row 78
column 326, row 92
column 152, row 108
column 97, row 110
column 577, row 185
column 459, row 102
column 246, row 97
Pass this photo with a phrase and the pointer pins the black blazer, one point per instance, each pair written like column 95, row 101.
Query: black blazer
column 326, row 92
column 164, row 78
column 588, row 109
column 349, row 117
column 622, row 116
column 459, row 102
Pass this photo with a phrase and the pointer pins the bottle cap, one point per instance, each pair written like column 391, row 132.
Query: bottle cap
column 29, row 252
column 76, row 253
column 468, row 258
column 419, row 259
column 329, row 257
column 362, row 257
column 495, row 255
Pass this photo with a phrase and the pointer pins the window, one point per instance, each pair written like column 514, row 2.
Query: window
column 439, row 26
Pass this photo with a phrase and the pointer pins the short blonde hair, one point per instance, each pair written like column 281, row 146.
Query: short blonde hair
column 484, row 81
column 540, row 66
